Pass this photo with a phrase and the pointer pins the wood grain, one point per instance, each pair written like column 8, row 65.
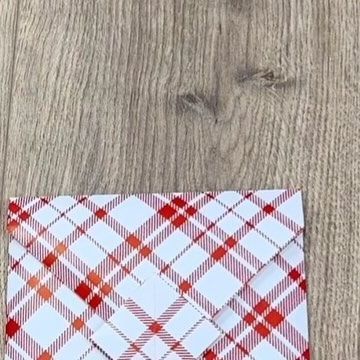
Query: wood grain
column 119, row 96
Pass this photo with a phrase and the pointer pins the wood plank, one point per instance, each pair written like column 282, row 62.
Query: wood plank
column 115, row 96
column 8, row 23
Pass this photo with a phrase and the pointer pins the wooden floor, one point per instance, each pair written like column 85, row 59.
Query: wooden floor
column 162, row 95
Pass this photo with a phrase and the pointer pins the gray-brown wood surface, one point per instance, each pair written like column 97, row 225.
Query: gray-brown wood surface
column 162, row 95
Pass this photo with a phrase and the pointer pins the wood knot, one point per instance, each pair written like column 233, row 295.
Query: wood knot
column 197, row 104
column 240, row 5
column 267, row 78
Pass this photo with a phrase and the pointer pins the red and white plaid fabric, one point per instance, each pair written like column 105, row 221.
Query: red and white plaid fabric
column 213, row 275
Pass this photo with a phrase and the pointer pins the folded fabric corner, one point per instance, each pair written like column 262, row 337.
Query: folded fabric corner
column 156, row 322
